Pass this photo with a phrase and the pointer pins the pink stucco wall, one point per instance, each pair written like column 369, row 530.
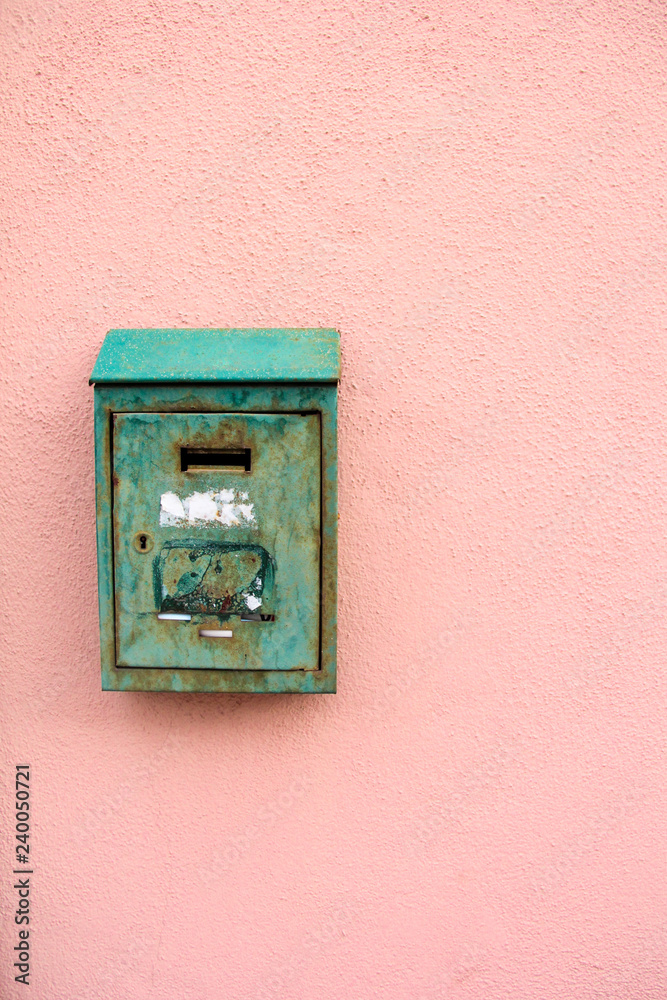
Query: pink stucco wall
column 474, row 195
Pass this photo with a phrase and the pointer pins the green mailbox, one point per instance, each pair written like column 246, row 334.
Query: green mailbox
column 215, row 471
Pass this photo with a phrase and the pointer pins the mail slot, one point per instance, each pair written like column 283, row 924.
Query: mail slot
column 216, row 510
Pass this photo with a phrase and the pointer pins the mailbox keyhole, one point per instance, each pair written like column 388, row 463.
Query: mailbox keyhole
column 143, row 541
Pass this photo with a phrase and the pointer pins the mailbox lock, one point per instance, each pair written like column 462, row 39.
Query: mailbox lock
column 143, row 541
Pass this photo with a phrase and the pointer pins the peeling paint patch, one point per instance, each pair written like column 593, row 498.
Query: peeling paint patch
column 219, row 506
column 223, row 578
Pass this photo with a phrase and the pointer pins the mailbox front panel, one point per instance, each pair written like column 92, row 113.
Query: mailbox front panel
column 216, row 539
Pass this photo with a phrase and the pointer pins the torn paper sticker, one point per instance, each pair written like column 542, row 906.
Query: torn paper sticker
column 219, row 506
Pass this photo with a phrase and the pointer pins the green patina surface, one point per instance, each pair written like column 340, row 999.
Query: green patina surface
column 234, row 531
column 286, row 643
column 218, row 356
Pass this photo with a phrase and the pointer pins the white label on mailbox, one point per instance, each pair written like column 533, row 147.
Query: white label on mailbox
column 220, row 506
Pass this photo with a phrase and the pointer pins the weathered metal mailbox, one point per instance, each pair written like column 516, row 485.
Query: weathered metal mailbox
column 217, row 509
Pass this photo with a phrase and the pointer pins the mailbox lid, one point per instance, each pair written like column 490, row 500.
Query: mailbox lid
column 271, row 355
column 225, row 543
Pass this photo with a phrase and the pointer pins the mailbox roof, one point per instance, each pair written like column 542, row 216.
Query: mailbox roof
column 218, row 356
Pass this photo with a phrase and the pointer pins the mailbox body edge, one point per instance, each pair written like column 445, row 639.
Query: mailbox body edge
column 217, row 398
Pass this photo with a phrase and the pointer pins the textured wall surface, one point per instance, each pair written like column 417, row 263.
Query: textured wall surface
column 474, row 194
